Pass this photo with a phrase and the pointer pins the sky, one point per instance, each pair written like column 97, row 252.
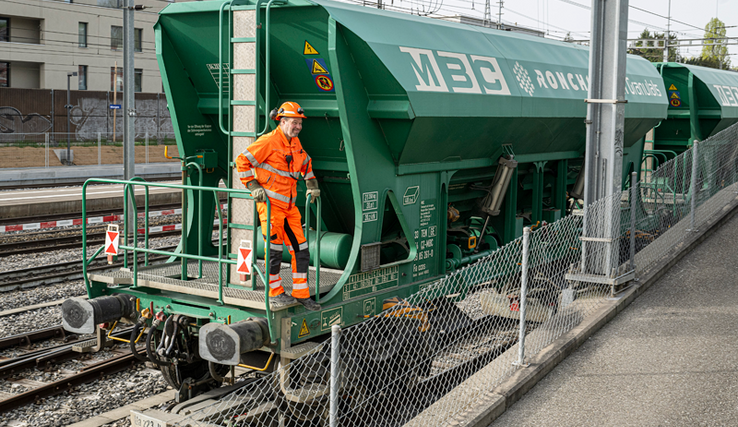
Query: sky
column 559, row 17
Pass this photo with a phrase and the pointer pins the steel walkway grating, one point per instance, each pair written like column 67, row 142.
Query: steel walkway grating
column 167, row 277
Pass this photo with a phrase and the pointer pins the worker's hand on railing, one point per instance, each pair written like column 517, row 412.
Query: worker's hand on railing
column 313, row 190
column 257, row 191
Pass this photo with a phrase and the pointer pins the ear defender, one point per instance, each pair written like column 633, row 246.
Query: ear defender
column 273, row 114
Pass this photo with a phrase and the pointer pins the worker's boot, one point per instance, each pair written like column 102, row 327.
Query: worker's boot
column 309, row 304
column 281, row 300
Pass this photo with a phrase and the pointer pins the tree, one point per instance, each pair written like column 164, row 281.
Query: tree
column 653, row 50
column 703, row 61
column 715, row 52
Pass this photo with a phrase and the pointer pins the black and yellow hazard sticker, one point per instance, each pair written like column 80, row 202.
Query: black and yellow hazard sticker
column 324, row 83
column 672, row 87
column 674, row 95
column 308, row 49
column 676, row 102
column 317, row 66
column 304, row 331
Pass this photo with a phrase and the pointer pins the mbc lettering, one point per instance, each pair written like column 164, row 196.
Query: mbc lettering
column 465, row 72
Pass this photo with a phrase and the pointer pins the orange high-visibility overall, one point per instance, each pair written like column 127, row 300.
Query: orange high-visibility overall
column 276, row 164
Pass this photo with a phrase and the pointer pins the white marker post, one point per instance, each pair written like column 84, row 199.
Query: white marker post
column 112, row 239
column 243, row 266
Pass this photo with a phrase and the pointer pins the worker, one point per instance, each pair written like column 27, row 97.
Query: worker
column 270, row 167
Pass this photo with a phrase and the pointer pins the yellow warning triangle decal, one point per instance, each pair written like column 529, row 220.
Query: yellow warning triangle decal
column 674, row 96
column 309, row 49
column 304, row 331
column 317, row 68
column 672, row 87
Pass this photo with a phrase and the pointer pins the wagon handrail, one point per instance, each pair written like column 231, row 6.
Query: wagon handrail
column 127, row 184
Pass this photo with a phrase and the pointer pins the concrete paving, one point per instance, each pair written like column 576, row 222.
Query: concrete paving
column 669, row 359
column 27, row 204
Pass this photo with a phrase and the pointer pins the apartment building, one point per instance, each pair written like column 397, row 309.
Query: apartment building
column 42, row 41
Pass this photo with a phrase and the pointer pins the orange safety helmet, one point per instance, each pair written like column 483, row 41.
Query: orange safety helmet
column 288, row 109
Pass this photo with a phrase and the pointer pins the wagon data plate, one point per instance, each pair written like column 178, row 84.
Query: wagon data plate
column 139, row 419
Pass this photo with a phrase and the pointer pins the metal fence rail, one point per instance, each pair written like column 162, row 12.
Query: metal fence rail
column 467, row 329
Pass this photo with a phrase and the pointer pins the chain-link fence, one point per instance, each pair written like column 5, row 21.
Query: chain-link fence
column 55, row 139
column 476, row 325
column 49, row 149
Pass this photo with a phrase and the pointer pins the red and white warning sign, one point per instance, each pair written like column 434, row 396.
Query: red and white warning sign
column 112, row 237
column 243, row 265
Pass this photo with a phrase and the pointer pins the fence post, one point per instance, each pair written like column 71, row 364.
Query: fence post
column 335, row 373
column 693, row 186
column 633, row 194
column 99, row 149
column 523, row 291
column 146, row 142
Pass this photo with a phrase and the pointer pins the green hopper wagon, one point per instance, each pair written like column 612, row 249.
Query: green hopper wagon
column 434, row 143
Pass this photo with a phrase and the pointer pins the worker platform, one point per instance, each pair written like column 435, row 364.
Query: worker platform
column 168, row 277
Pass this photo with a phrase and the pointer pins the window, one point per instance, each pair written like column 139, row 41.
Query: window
column 137, row 78
column 116, row 37
column 4, row 74
column 83, row 34
column 138, row 75
column 116, row 81
column 82, row 73
column 137, row 36
column 4, row 30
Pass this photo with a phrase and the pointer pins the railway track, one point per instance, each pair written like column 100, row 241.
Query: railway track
column 47, row 274
column 65, row 242
column 54, row 332
column 47, row 359
column 77, row 215
column 72, row 270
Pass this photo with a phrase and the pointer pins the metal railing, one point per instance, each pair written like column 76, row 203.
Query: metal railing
column 130, row 234
column 467, row 330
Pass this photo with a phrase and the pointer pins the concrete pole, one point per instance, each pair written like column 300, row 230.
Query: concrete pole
column 668, row 32
column 605, row 129
column 46, row 150
column 129, row 115
column 633, row 199
column 146, row 143
column 69, row 110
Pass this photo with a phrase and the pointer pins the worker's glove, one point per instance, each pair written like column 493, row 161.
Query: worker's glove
column 257, row 191
column 313, row 190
